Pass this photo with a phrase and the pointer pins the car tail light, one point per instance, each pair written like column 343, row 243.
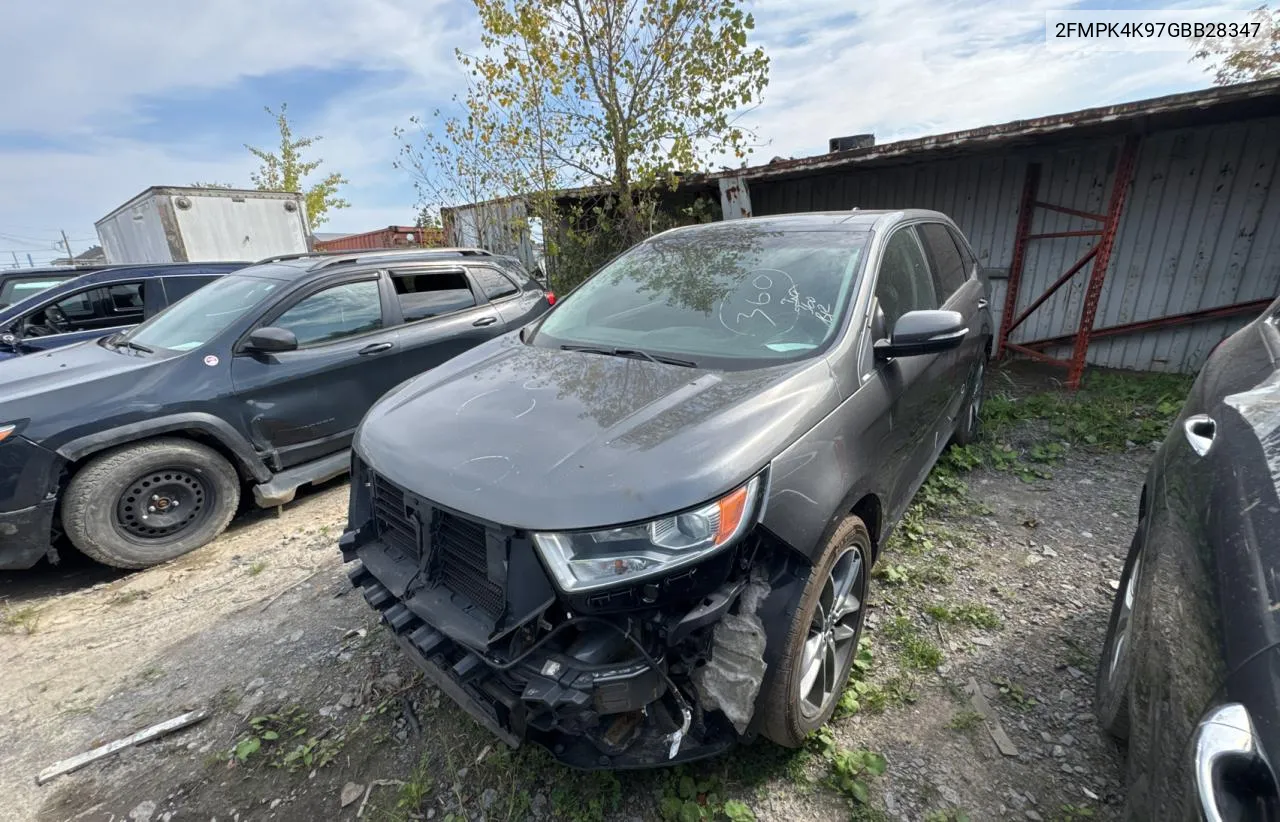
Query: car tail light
column 551, row 298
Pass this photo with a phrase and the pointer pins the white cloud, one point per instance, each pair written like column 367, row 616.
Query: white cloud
column 899, row 68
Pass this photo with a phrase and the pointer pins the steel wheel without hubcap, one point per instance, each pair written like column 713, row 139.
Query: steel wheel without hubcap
column 833, row 635
column 162, row 504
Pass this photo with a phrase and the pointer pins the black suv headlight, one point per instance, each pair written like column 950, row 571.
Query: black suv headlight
column 587, row 560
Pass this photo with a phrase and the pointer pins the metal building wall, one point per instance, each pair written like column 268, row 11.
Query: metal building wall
column 1201, row 228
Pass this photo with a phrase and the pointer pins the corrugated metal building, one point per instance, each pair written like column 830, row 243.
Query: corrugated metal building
column 1198, row 231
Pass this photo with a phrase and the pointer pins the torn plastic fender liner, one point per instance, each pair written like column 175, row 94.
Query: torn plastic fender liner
column 731, row 680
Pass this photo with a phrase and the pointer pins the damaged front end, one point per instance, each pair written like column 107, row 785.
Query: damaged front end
column 661, row 668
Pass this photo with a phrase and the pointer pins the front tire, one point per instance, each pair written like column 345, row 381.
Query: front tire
column 149, row 502
column 1115, row 668
column 801, row 694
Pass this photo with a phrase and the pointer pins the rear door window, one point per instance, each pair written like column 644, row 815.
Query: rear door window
column 425, row 294
column 175, row 288
column 494, row 283
column 948, row 266
column 19, row 288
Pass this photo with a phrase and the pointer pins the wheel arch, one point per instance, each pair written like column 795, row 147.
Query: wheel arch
column 203, row 428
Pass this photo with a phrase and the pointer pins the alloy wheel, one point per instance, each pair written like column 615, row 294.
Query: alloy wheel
column 162, row 504
column 833, row 634
column 1124, row 620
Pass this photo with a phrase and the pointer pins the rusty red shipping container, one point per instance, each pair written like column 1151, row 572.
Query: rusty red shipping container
column 393, row 236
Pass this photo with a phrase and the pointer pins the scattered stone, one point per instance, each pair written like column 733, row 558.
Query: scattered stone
column 296, row 636
column 1064, row 695
column 350, row 793
column 143, row 811
column 389, row 681
column 1067, row 740
column 275, row 803
column 1075, row 672
column 1090, row 794
column 488, row 799
column 349, row 699
column 1049, row 552
column 1033, row 816
column 254, row 685
column 1059, row 751
column 1032, row 559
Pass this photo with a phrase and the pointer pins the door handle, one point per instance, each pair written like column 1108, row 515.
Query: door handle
column 1224, row 739
column 485, row 321
column 376, row 348
column 982, row 303
column 1200, row 430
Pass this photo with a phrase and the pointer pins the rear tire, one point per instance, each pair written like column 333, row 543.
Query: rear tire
column 1115, row 668
column 149, row 502
column 825, row 630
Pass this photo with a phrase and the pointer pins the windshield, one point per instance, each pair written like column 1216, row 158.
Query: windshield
column 19, row 288
column 194, row 320
column 731, row 295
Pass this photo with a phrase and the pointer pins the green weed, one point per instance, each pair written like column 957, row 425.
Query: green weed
column 967, row 613
column 24, row 620
column 965, row 721
column 1013, row 693
column 916, row 651
column 851, row 769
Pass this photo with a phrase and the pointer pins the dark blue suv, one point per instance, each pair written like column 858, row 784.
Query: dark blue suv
column 100, row 303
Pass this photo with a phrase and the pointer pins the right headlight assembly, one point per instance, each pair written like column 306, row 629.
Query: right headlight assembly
column 587, row 560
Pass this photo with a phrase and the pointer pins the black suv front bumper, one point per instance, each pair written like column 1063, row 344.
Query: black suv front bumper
column 28, row 498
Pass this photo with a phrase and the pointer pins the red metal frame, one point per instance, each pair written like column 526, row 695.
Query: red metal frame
column 1100, row 255
column 1171, row 321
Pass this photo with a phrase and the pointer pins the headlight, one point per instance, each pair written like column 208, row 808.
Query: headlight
column 585, row 560
column 6, row 430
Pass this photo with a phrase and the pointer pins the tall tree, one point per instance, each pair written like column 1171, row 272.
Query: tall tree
column 288, row 171
column 618, row 93
column 1232, row 63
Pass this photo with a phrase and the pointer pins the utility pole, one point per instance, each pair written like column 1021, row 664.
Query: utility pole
column 30, row 261
column 16, row 264
column 67, row 246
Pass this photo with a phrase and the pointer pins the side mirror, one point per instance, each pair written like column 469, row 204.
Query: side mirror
column 923, row 332
column 271, row 340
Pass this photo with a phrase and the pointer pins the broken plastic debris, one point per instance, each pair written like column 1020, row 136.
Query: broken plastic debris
column 677, row 736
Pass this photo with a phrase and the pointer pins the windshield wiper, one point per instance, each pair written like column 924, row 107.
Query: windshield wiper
column 631, row 353
column 137, row 346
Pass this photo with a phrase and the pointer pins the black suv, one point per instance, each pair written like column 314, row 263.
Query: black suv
column 86, row 306
column 137, row 445
column 643, row 526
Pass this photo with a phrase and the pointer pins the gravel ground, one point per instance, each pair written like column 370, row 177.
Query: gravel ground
column 1006, row 587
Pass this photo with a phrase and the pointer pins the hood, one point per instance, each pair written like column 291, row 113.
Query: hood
column 545, row 439
column 53, row 387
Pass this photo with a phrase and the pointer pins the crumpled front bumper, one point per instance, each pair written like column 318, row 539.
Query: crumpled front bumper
column 589, row 714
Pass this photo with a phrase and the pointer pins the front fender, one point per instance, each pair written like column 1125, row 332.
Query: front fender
column 207, row 424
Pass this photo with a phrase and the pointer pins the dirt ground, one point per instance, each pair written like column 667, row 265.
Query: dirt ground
column 1007, row 586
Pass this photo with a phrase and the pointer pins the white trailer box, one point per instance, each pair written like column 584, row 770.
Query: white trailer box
column 174, row 225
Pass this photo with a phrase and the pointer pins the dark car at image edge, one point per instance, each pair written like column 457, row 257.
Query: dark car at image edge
column 642, row 528
column 1189, row 675
column 136, row 447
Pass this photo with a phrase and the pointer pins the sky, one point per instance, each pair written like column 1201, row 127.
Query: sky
column 103, row 100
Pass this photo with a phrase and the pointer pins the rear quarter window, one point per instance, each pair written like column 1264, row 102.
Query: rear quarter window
column 494, row 283
column 426, row 294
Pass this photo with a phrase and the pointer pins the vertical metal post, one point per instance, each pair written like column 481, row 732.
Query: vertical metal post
column 1119, row 189
column 1026, row 208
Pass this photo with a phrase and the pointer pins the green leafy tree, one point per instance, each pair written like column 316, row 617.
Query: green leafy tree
column 1232, row 65
column 288, row 171
column 620, row 95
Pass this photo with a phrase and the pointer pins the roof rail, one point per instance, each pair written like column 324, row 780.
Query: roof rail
column 338, row 258
column 301, row 255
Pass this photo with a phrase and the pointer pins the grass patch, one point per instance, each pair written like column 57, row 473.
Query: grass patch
column 257, row 567
column 967, row 613
column 1013, row 694
column 964, row 721
column 947, row 815
column 127, row 597
column 24, row 620
column 915, row 651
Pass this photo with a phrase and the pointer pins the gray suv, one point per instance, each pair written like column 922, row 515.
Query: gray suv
column 641, row 527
